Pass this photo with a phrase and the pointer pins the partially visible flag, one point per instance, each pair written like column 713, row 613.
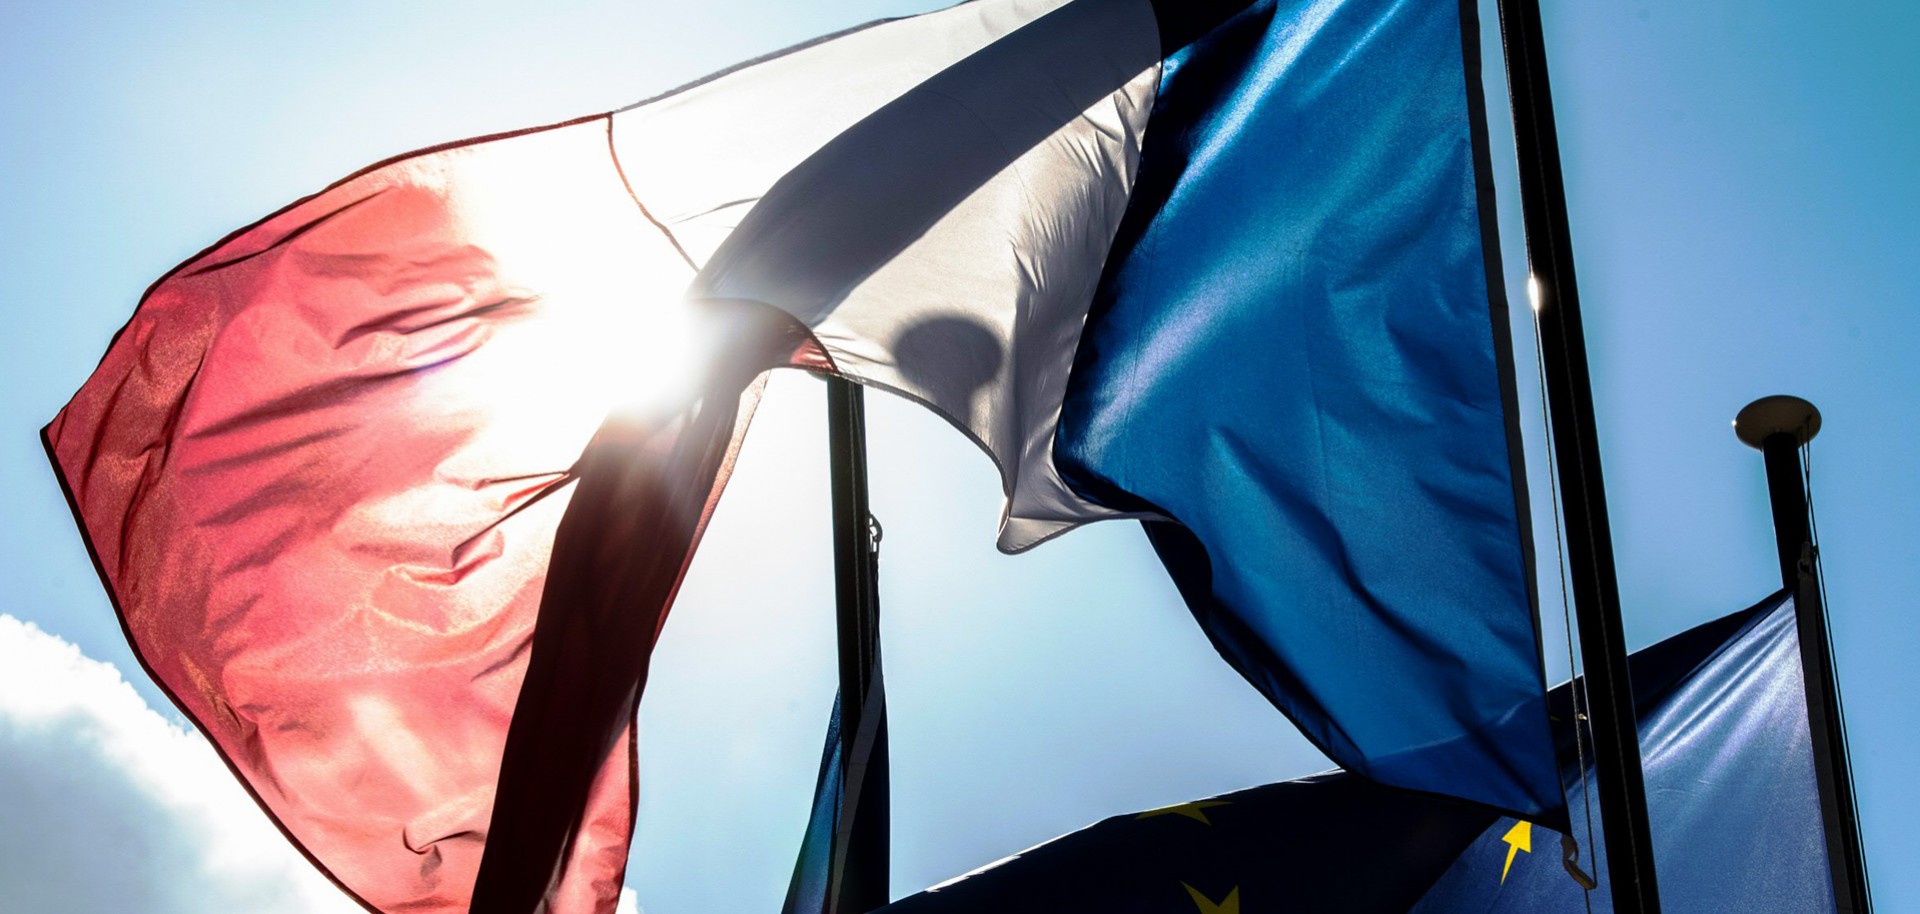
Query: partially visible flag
column 1730, row 787
column 1731, row 792
column 845, row 791
column 1332, row 842
column 820, row 862
column 1299, row 351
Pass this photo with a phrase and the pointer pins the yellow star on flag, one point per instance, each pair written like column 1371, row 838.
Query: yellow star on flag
column 1227, row 905
column 1519, row 838
column 1190, row 810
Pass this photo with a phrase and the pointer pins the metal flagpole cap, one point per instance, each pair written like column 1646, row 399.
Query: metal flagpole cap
column 1769, row 416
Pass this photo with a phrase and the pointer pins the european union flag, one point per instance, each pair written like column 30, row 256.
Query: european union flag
column 1730, row 784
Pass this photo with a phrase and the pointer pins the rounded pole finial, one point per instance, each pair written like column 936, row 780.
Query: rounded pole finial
column 1778, row 414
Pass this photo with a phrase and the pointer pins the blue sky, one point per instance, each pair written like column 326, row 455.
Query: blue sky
column 1745, row 217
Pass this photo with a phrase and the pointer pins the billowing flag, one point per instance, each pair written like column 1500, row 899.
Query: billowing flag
column 1730, row 786
column 393, row 489
column 327, row 474
column 1299, row 352
column 1250, row 288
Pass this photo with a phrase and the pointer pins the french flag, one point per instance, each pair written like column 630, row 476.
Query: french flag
column 393, row 489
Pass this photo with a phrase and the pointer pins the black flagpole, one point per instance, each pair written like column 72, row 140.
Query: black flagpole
column 1778, row 427
column 1622, row 791
column 859, row 881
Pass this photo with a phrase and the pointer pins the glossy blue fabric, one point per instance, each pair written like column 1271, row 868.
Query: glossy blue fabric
column 1731, row 793
column 1736, row 819
column 1293, row 352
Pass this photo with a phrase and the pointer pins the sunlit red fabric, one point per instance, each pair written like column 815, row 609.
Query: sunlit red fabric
column 322, row 469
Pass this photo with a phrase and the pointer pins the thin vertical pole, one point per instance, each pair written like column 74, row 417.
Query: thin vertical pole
column 1778, row 427
column 860, row 882
column 1596, row 592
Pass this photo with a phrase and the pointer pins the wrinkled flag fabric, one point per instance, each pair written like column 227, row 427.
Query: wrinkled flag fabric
column 1299, row 352
column 1250, row 288
column 393, row 489
column 1730, row 787
column 323, row 469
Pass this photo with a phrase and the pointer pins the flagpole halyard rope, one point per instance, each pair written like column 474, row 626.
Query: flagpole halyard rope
column 1576, row 685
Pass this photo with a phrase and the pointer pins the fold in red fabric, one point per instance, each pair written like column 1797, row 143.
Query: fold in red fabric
column 416, row 451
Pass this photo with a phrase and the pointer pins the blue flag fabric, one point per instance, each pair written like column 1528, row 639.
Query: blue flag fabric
column 1736, row 819
column 1296, row 352
column 844, row 794
column 1731, row 793
column 812, row 883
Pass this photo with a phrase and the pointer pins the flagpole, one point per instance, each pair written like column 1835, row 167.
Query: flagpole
column 860, row 880
column 1596, row 592
column 1779, row 427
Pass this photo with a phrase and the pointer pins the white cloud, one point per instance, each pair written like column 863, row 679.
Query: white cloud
column 107, row 806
